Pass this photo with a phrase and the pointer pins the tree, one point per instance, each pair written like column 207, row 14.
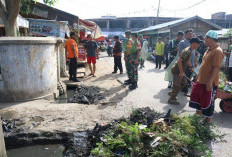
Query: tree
column 9, row 10
column 229, row 33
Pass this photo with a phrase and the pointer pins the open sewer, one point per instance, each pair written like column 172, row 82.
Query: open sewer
column 20, row 143
column 37, row 151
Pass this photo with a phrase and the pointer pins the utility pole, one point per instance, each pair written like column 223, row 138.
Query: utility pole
column 157, row 17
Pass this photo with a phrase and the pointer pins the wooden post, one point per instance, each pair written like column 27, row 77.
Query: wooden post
column 2, row 143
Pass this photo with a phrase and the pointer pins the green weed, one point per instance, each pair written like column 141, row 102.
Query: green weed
column 184, row 136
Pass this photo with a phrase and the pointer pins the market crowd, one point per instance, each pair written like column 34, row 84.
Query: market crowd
column 190, row 61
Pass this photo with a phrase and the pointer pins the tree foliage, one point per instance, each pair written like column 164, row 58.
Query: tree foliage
column 229, row 33
column 26, row 5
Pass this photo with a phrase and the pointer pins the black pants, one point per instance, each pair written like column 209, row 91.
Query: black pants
column 230, row 73
column 171, row 59
column 73, row 67
column 188, row 73
column 142, row 63
column 166, row 60
column 158, row 61
column 117, row 63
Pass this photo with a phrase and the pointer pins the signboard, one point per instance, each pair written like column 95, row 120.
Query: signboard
column 47, row 28
column 81, row 55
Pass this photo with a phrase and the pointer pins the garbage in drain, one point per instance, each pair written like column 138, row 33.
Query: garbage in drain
column 87, row 95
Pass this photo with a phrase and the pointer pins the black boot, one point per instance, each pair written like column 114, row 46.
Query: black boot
column 70, row 78
column 76, row 80
column 133, row 86
column 127, row 82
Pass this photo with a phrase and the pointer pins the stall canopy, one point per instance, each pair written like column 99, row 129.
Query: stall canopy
column 101, row 38
column 97, row 33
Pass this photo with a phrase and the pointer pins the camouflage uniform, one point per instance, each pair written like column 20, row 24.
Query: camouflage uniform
column 173, row 45
column 127, row 44
column 201, row 49
column 133, row 68
column 179, row 83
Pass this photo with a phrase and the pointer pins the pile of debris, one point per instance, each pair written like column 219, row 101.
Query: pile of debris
column 10, row 126
column 87, row 95
column 148, row 133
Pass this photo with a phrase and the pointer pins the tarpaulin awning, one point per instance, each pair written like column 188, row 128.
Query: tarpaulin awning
column 88, row 24
column 97, row 33
column 101, row 38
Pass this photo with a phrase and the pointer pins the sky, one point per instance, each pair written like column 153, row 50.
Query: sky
column 87, row 9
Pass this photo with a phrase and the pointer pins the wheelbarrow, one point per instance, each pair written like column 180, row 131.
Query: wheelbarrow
column 226, row 98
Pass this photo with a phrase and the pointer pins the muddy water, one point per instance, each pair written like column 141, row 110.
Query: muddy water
column 64, row 98
column 37, row 151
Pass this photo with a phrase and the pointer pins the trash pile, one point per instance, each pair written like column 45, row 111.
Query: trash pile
column 10, row 126
column 224, row 84
column 87, row 95
column 148, row 133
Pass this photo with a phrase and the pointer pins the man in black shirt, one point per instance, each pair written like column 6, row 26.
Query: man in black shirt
column 92, row 54
column 117, row 53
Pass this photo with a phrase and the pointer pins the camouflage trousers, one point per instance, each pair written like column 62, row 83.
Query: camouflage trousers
column 133, row 69
column 178, row 84
column 127, row 64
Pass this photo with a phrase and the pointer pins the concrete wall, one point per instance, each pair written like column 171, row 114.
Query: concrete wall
column 63, row 72
column 2, row 143
column 29, row 68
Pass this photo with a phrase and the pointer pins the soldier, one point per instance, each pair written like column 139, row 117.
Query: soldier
column 202, row 48
column 127, row 45
column 182, row 45
column 173, row 51
column 134, row 61
column 179, row 81
column 173, row 46
column 117, row 53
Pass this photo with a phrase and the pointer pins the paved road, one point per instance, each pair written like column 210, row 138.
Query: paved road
column 153, row 91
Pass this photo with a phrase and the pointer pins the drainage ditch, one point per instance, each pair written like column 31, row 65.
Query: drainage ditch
column 21, row 143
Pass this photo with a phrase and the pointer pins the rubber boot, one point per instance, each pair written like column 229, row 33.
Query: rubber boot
column 173, row 101
column 127, row 82
column 133, row 86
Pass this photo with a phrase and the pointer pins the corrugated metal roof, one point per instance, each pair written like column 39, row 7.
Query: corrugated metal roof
column 177, row 22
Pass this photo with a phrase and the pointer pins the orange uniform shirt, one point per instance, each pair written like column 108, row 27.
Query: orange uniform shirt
column 69, row 45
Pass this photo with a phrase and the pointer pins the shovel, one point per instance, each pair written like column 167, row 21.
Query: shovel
column 189, row 79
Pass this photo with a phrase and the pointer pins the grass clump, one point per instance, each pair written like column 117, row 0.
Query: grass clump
column 173, row 136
